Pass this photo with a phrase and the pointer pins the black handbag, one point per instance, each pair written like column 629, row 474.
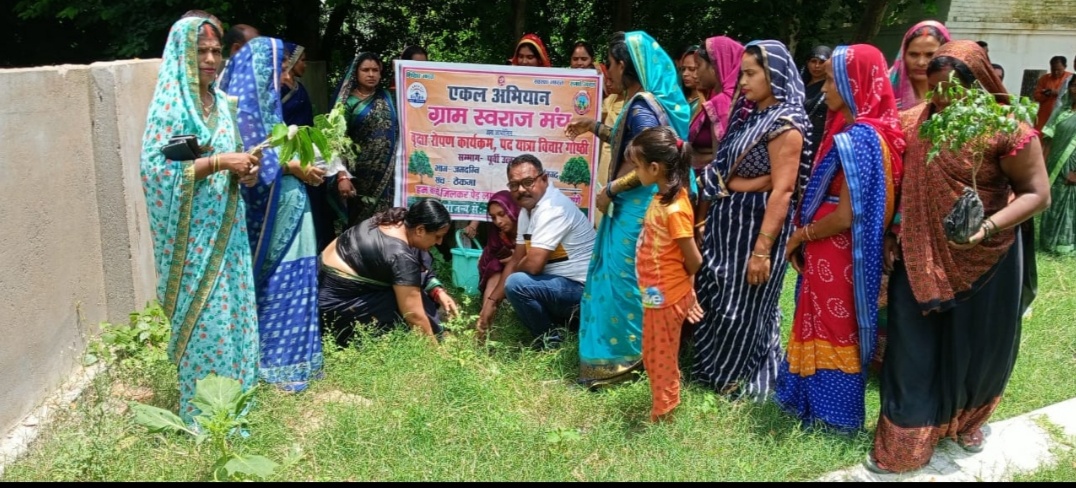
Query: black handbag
column 182, row 148
column 965, row 218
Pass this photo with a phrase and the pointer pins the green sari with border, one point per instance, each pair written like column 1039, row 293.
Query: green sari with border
column 200, row 246
column 1058, row 233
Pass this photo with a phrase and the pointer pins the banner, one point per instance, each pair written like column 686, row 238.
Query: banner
column 461, row 124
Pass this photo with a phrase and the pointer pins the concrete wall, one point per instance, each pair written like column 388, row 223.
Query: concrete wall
column 75, row 248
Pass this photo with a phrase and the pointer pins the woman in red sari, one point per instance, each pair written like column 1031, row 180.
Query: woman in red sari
column 531, row 51
column 846, row 209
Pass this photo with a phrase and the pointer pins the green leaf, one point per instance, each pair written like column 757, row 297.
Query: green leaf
column 319, row 140
column 250, row 465
column 280, row 134
column 287, row 151
column 216, row 393
column 306, row 149
column 157, row 419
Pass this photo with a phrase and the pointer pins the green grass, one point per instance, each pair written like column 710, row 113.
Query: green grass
column 459, row 412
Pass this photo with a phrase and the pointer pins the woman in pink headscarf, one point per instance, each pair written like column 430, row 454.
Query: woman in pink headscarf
column 718, row 68
column 504, row 215
column 909, row 71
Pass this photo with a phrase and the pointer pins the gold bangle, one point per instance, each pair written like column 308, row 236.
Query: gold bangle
column 700, row 224
column 763, row 256
column 216, row 163
column 807, row 232
column 763, row 234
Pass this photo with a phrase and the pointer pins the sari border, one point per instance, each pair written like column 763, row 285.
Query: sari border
column 179, row 254
column 209, row 277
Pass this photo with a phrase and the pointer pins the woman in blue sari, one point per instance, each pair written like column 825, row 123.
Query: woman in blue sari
column 197, row 219
column 611, row 320
column 373, row 126
column 281, row 228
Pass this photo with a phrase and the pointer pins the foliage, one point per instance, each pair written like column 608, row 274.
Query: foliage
column 334, row 128
column 971, row 120
column 419, row 164
column 576, row 172
column 223, row 406
column 144, row 338
column 82, row 31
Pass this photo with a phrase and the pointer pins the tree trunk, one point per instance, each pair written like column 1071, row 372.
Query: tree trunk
column 519, row 15
column 623, row 17
column 791, row 28
column 332, row 28
column 871, row 22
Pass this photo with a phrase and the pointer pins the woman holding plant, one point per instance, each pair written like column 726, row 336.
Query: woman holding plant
column 1059, row 222
column 955, row 294
column 197, row 219
column 611, row 312
column 847, row 207
column 372, row 125
column 281, row 228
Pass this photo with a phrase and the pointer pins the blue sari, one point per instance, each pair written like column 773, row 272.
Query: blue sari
column 280, row 227
column 611, row 312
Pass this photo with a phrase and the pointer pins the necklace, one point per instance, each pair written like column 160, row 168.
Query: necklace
column 208, row 109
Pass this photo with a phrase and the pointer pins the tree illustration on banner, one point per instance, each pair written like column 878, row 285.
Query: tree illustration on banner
column 576, row 172
column 419, row 164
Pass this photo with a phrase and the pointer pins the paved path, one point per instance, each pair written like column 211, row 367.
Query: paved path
column 1015, row 445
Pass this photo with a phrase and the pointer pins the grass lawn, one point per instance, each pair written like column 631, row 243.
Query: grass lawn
column 395, row 408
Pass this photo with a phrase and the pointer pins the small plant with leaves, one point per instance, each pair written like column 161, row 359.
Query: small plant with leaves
column 333, row 127
column 969, row 125
column 142, row 340
column 222, row 404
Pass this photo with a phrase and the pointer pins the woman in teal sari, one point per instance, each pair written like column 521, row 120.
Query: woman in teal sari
column 611, row 320
column 373, row 126
column 197, row 219
column 1058, row 233
column 281, row 227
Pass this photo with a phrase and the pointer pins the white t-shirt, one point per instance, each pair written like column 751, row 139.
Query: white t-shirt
column 557, row 225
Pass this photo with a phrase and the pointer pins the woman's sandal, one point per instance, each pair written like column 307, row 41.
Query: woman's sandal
column 873, row 466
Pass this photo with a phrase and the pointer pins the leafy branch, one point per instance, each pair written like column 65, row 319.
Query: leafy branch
column 971, row 120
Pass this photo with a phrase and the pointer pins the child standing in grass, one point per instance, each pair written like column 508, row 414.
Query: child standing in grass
column 666, row 259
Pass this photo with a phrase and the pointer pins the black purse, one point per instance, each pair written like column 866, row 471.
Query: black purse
column 182, row 148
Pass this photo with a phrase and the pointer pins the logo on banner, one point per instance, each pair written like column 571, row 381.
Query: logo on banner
column 416, row 95
column 581, row 102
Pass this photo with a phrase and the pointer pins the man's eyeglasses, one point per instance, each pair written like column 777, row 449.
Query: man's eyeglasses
column 526, row 183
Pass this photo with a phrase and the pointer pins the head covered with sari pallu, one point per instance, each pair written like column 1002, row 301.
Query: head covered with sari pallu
column 539, row 48
column 898, row 72
column 489, row 263
column 254, row 78
column 725, row 55
column 868, row 152
column 939, row 274
column 661, row 91
column 174, row 198
column 748, row 127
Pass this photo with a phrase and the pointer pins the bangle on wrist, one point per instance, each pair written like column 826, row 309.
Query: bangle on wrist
column 609, row 190
column 807, row 232
column 700, row 224
column 768, row 236
column 757, row 255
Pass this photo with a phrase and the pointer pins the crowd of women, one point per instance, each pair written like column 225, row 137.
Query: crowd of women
column 823, row 169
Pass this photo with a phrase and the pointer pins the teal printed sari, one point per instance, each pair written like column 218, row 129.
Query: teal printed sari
column 205, row 283
column 611, row 312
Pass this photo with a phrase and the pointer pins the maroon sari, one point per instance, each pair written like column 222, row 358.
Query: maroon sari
column 500, row 245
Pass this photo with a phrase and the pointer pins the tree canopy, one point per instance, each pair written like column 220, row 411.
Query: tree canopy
column 480, row 31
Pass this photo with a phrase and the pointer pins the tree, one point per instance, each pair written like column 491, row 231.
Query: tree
column 576, row 172
column 419, row 164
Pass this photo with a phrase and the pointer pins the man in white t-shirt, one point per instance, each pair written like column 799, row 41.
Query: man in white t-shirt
column 547, row 270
